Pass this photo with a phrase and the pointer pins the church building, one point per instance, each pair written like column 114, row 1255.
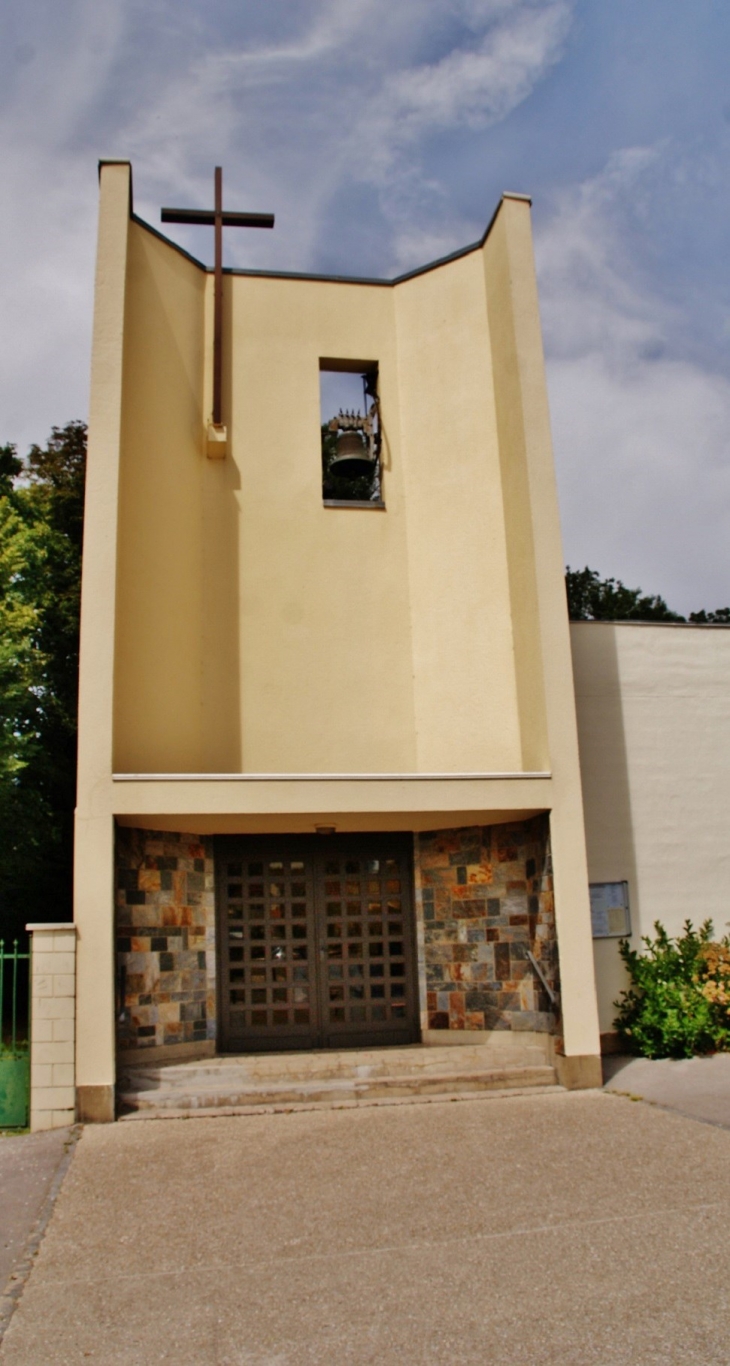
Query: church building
column 330, row 793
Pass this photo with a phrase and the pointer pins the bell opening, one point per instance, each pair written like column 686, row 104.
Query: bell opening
column 350, row 432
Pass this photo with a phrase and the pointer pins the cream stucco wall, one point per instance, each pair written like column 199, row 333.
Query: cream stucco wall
column 653, row 704
column 465, row 695
column 159, row 612
column 385, row 639
column 324, row 648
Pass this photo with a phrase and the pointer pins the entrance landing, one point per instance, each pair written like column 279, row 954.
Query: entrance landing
column 284, row 1081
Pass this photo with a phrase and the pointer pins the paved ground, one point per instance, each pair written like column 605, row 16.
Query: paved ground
column 578, row 1229
column 28, row 1167
column 698, row 1087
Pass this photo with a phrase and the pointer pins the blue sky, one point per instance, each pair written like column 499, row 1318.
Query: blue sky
column 382, row 135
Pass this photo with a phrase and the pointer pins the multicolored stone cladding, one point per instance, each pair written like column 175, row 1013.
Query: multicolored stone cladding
column 485, row 896
column 165, row 929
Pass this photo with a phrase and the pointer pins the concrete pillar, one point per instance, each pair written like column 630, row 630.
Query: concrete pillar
column 52, row 1026
column 94, row 844
column 94, row 911
column 540, row 615
column 579, row 1065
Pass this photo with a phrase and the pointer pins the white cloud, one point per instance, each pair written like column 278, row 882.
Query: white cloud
column 355, row 104
column 309, row 104
column 473, row 88
column 641, row 430
column 299, row 104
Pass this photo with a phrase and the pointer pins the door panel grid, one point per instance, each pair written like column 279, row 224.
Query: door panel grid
column 269, row 929
column 316, row 942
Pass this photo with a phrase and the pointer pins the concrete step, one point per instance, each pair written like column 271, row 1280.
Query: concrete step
column 295, row 1080
column 236, row 1070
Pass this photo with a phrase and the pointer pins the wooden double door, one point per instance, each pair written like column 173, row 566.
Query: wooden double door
column 316, row 942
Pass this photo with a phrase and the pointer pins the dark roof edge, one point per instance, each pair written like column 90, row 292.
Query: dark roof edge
column 360, row 279
column 142, row 223
column 342, row 279
column 463, row 251
column 306, row 275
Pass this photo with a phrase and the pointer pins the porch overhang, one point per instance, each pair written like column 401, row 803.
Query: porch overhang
column 228, row 803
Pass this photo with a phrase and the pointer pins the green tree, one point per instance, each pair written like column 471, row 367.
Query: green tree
column 22, row 556
column 719, row 618
column 591, row 598
column 41, row 523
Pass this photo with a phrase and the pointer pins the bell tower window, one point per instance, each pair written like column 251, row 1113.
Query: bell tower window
column 351, row 434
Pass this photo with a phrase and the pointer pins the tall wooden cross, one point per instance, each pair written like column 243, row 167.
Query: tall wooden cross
column 219, row 221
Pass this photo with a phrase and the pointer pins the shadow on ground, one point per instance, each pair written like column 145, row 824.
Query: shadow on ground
column 696, row 1087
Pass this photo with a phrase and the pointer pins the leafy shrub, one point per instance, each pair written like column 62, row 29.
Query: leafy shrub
column 678, row 1003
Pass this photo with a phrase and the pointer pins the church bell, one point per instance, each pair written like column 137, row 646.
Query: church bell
column 354, row 458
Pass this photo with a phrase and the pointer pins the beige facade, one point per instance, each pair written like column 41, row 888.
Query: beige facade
column 253, row 661
column 653, row 707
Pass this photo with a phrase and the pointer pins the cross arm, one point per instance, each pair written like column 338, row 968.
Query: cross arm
column 228, row 219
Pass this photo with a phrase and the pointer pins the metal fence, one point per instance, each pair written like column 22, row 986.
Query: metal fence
column 14, row 1037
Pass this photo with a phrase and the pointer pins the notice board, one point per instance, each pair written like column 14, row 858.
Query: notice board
column 610, row 917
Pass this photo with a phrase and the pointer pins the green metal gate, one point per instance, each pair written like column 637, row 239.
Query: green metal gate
column 14, row 1038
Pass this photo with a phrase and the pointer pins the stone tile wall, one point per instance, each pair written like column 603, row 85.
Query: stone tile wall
column 485, row 897
column 165, row 927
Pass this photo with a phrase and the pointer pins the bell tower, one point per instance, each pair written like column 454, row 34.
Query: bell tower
column 351, row 627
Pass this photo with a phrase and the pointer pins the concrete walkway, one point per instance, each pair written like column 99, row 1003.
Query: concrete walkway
column 577, row 1229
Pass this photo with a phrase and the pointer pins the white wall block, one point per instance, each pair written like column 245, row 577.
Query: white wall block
column 64, row 984
column 53, row 1007
column 53, row 1020
column 53, row 1052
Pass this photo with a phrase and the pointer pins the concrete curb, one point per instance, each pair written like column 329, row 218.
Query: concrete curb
column 295, row 1107
column 15, row 1286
